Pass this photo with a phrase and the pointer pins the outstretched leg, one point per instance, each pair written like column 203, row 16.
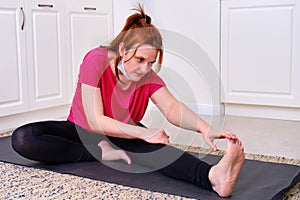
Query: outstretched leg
column 109, row 153
column 223, row 175
column 182, row 165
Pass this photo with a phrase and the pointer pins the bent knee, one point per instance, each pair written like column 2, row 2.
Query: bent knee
column 19, row 139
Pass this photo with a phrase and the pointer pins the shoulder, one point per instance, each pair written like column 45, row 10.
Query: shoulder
column 96, row 52
column 152, row 77
column 96, row 58
column 93, row 66
column 151, row 83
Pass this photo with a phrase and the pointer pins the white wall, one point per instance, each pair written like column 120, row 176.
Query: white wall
column 191, row 36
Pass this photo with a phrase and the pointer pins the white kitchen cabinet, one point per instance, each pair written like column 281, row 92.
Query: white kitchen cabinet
column 260, row 44
column 89, row 25
column 46, row 43
column 42, row 45
column 13, row 68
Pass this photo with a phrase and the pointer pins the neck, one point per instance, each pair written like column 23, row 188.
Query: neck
column 123, row 83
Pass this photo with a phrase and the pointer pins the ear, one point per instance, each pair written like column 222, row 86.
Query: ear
column 121, row 49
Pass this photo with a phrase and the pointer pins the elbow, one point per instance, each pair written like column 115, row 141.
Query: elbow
column 173, row 113
column 97, row 125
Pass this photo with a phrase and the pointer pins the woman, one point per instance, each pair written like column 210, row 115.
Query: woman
column 114, row 86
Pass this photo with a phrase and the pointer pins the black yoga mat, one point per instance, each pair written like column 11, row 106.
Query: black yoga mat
column 257, row 180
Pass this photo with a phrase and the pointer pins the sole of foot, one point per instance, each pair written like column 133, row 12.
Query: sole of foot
column 223, row 175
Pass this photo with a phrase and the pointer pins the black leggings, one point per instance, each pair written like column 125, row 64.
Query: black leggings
column 64, row 142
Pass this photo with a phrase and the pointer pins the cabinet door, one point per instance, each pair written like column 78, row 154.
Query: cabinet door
column 46, row 53
column 260, row 47
column 13, row 70
column 89, row 24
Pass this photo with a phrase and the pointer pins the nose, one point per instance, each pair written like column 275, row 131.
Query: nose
column 145, row 68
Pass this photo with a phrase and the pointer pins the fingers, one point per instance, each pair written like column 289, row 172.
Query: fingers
column 228, row 135
column 166, row 140
column 214, row 148
column 211, row 144
column 158, row 137
column 222, row 134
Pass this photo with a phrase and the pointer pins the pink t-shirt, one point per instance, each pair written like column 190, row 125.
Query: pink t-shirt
column 126, row 106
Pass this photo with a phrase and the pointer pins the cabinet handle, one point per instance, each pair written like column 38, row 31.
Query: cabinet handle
column 89, row 8
column 45, row 5
column 23, row 17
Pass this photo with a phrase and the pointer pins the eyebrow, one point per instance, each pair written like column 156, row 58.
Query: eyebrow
column 145, row 58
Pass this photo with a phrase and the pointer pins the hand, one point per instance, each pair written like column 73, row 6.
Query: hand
column 157, row 136
column 214, row 134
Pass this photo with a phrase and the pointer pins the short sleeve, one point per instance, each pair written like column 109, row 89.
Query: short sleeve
column 153, row 82
column 93, row 67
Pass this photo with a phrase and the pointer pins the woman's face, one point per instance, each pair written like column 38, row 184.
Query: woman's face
column 138, row 65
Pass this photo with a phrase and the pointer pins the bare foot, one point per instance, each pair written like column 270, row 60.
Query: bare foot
column 109, row 153
column 223, row 175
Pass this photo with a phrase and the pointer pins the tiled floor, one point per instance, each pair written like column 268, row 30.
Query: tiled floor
column 259, row 136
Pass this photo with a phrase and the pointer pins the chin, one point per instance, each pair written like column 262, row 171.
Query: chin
column 137, row 77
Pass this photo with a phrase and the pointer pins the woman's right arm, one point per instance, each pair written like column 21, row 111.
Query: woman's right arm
column 99, row 123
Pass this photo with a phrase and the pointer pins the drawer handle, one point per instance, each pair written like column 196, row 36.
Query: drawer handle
column 89, row 8
column 45, row 5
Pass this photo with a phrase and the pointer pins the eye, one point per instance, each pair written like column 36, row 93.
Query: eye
column 140, row 59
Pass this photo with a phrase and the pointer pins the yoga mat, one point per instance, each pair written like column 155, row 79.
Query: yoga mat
column 257, row 180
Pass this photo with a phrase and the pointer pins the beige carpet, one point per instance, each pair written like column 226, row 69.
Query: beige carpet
column 18, row 182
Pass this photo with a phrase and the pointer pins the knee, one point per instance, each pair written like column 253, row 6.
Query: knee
column 19, row 139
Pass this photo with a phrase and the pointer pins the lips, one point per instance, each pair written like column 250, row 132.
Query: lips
column 139, row 74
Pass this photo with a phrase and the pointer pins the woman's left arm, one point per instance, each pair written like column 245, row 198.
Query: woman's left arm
column 180, row 115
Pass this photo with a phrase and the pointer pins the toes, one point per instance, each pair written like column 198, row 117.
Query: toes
column 125, row 157
column 236, row 142
column 128, row 160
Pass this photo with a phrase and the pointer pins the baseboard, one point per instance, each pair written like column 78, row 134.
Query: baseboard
column 270, row 112
column 13, row 121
